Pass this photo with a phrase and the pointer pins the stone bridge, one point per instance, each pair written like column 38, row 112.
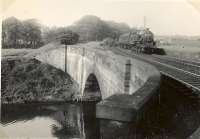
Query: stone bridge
column 125, row 85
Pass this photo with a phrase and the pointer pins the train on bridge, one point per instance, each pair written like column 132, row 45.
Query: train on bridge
column 141, row 41
column 138, row 40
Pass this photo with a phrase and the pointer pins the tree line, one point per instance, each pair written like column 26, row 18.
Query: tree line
column 30, row 34
column 21, row 34
column 89, row 28
column 92, row 28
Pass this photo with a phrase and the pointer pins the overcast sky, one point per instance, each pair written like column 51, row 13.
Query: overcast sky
column 164, row 17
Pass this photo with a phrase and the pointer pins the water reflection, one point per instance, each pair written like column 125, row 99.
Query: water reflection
column 171, row 119
column 61, row 121
column 77, row 121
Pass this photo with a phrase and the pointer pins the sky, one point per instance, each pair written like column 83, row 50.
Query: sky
column 163, row 17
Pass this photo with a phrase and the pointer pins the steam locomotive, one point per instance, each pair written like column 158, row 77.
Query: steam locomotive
column 141, row 41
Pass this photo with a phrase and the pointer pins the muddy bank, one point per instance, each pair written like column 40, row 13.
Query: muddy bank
column 25, row 80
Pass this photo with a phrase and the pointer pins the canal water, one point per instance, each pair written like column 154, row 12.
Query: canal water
column 62, row 121
column 176, row 117
column 78, row 121
column 68, row 120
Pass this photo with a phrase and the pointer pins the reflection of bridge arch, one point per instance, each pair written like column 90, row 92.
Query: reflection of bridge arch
column 92, row 89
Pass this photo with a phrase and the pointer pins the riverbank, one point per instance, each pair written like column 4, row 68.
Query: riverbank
column 27, row 80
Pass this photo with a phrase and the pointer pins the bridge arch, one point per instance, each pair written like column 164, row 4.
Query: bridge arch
column 101, row 73
column 92, row 89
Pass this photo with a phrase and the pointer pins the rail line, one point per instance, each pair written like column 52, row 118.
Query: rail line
column 173, row 69
column 181, row 60
column 187, row 66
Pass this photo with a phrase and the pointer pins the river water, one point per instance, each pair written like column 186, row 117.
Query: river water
column 66, row 120
column 62, row 121
column 167, row 120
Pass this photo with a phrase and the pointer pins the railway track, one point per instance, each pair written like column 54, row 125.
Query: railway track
column 180, row 70
column 197, row 63
column 192, row 67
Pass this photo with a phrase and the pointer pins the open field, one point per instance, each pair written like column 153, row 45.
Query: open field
column 190, row 53
column 182, row 48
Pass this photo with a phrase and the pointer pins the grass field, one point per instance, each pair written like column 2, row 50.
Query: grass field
column 183, row 48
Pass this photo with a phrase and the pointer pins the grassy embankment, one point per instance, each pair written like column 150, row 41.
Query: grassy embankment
column 25, row 79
